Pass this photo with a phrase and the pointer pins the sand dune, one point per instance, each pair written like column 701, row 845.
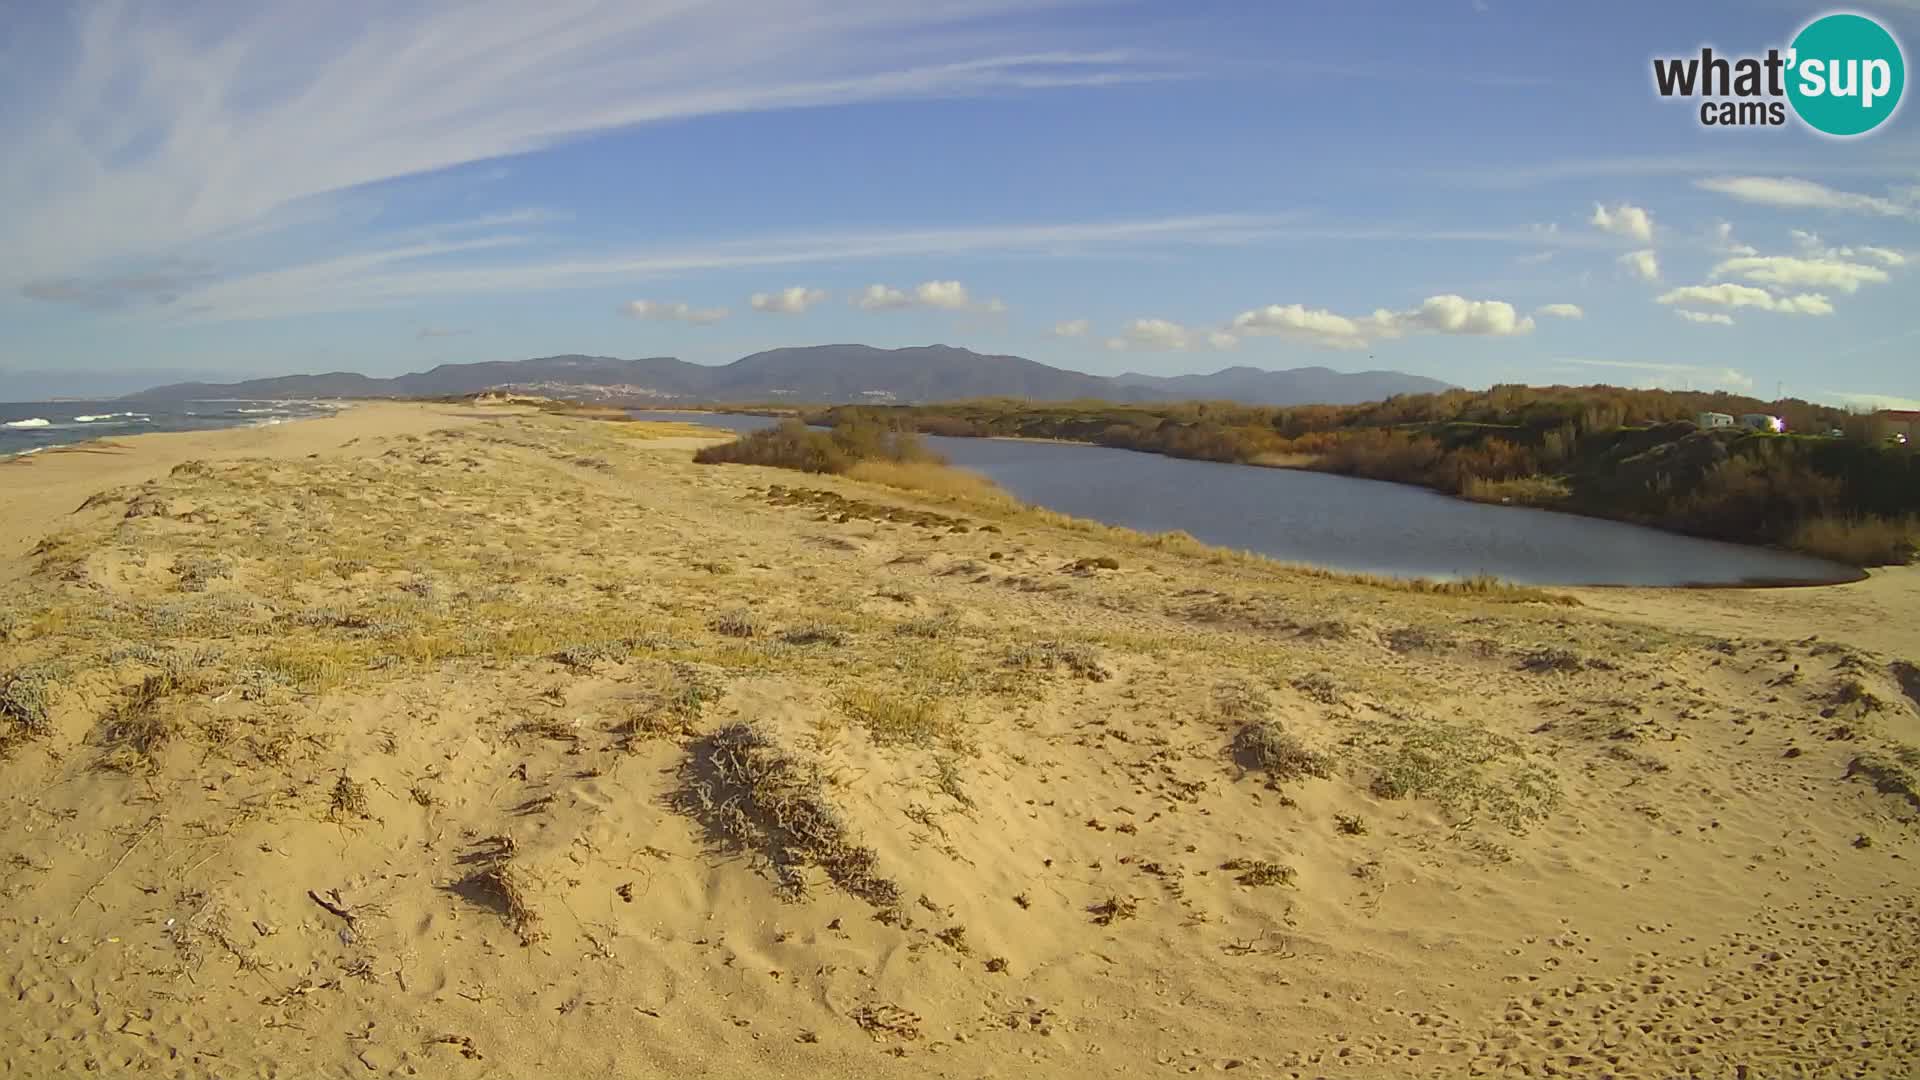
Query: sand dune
column 438, row 742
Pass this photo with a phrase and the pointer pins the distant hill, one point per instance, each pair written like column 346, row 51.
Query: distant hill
column 1297, row 386
column 820, row 374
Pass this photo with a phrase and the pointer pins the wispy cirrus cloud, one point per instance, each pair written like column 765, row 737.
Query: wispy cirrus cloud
column 1671, row 376
column 398, row 276
column 138, row 131
column 1795, row 193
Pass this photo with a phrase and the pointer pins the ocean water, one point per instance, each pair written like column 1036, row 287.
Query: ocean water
column 29, row 427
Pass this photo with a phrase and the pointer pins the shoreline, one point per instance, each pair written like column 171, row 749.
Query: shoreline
column 42, row 487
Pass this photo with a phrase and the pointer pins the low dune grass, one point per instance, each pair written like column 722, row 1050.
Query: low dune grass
column 1859, row 541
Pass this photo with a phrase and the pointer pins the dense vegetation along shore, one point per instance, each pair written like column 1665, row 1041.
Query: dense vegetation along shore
column 1628, row 455
column 478, row 741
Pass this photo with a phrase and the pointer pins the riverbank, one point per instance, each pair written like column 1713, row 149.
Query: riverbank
column 1556, row 449
column 1346, row 523
column 466, row 742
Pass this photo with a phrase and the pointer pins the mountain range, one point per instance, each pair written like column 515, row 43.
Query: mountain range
column 821, row 374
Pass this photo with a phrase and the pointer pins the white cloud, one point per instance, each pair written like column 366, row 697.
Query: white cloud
column 1804, row 304
column 1884, row 256
column 1789, row 271
column 1072, row 328
column 1791, row 193
column 1722, row 241
column 950, row 295
column 440, row 331
column 882, row 298
column 1625, row 219
column 1561, row 311
column 1657, row 375
column 1534, row 259
column 1714, row 317
column 1727, row 294
column 1644, row 264
column 1811, row 245
column 672, row 311
column 151, row 128
column 1317, row 325
column 1448, row 314
column 938, row 295
column 1870, row 401
column 1458, row 315
column 405, row 275
column 794, row 300
column 1161, row 335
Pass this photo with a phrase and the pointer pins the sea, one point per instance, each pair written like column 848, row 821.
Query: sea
column 32, row 427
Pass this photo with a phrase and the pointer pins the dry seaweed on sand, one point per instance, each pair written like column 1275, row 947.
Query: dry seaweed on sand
column 1266, row 746
column 499, row 882
column 750, row 792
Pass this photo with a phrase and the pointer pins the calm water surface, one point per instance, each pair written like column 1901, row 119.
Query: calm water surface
column 1363, row 526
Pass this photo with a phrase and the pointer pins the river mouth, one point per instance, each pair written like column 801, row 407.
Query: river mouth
column 1352, row 525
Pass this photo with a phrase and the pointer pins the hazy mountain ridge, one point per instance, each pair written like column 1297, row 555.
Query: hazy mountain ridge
column 822, row 373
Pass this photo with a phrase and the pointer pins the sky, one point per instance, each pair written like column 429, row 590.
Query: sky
column 1481, row 191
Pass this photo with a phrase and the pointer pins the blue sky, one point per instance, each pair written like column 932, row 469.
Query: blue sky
column 1478, row 191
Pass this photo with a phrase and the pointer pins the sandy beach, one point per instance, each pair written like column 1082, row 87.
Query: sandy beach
column 476, row 742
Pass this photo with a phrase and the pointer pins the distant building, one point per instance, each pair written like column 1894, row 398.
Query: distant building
column 1762, row 422
column 1892, row 423
column 1713, row 420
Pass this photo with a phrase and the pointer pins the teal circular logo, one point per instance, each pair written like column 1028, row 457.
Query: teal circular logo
column 1845, row 74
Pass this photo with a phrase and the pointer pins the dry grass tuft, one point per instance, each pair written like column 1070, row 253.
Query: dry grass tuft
column 1852, row 691
column 504, row 885
column 739, row 623
column 1468, row 771
column 1861, row 541
column 930, row 627
column 816, row 634
column 1259, row 873
column 1561, row 661
column 1890, row 775
column 195, row 571
column 750, row 792
column 1908, row 676
column 1114, row 909
column 139, row 726
column 1266, row 746
column 1081, row 660
column 26, row 697
column 674, row 714
column 896, row 719
column 348, row 799
column 943, row 481
column 881, row 1021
